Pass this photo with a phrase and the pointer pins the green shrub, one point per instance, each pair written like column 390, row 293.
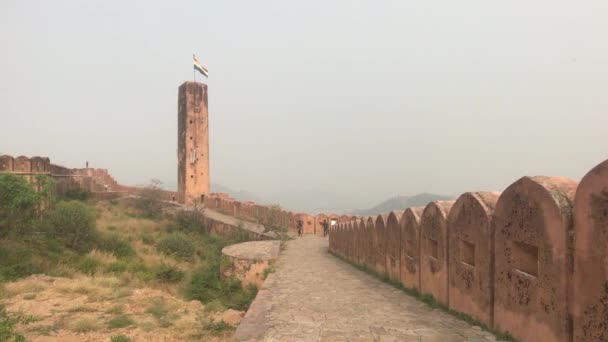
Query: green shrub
column 73, row 223
column 18, row 202
column 188, row 221
column 177, row 245
column 16, row 263
column 116, row 310
column 169, row 274
column 216, row 328
column 77, row 194
column 267, row 272
column 116, row 245
column 88, row 265
column 120, row 321
column 149, row 202
column 120, row 338
column 8, row 324
column 117, row 267
column 147, row 239
column 141, row 270
column 206, row 286
column 158, row 309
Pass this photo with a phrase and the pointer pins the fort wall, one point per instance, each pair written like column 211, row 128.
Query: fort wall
column 530, row 261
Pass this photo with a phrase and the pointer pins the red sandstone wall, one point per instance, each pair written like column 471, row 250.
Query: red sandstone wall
column 393, row 245
column 471, row 255
column 434, row 250
column 590, row 279
column 379, row 249
column 515, row 262
column 533, row 226
column 410, row 247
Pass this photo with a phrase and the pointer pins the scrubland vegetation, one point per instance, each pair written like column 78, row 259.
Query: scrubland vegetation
column 110, row 270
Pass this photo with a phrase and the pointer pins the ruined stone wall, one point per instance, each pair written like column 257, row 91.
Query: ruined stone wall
column 96, row 181
column 265, row 215
column 531, row 261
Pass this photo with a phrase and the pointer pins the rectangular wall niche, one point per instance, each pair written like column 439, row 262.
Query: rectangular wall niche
column 467, row 252
column 525, row 258
column 432, row 248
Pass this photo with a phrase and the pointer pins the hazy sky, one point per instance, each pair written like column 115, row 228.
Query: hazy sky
column 364, row 99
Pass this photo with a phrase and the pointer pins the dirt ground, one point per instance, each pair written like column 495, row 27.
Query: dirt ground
column 99, row 308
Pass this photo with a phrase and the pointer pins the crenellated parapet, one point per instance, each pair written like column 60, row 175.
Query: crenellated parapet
column 531, row 261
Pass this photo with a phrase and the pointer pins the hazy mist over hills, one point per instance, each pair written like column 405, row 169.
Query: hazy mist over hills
column 401, row 203
column 314, row 202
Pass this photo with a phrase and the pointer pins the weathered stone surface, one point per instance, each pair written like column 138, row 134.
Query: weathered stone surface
column 434, row 250
column 308, row 223
column 192, row 143
column 471, row 255
column 380, row 243
column 590, row 302
column 533, row 226
column 410, row 247
column 360, row 241
column 250, row 259
column 22, row 164
column 314, row 296
column 6, row 163
column 393, row 245
column 370, row 243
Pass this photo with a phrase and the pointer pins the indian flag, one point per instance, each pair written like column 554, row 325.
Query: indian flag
column 199, row 67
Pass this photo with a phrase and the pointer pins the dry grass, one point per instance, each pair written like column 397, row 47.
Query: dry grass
column 124, row 221
column 105, row 257
column 85, row 324
column 81, row 307
column 27, row 286
column 96, row 289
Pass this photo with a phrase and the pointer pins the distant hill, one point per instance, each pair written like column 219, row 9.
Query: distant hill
column 402, row 203
column 241, row 195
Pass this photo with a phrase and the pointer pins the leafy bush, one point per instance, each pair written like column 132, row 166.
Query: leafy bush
column 77, row 194
column 177, row 245
column 149, row 202
column 16, row 263
column 18, row 201
column 147, row 239
column 120, row 338
column 267, row 272
column 216, row 328
column 188, row 221
column 207, row 286
column 116, row 267
column 169, row 274
column 88, row 265
column 73, row 223
column 142, row 271
column 8, row 324
column 120, row 321
column 116, row 245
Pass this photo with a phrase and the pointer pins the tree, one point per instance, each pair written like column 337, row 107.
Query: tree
column 18, row 201
column 149, row 201
column 73, row 223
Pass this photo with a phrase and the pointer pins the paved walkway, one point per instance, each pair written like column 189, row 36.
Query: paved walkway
column 314, row 296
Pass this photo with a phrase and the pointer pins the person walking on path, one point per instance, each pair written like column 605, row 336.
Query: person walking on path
column 300, row 224
column 325, row 228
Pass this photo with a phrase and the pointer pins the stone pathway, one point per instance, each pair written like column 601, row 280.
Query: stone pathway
column 313, row 296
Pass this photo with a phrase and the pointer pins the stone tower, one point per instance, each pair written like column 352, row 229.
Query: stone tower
column 192, row 143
